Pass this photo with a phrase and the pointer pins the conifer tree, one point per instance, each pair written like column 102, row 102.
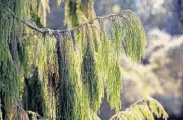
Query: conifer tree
column 62, row 74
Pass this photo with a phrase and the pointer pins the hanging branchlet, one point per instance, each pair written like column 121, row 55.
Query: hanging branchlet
column 90, row 78
column 9, row 57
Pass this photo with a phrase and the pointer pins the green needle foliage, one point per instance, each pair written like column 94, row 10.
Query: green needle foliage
column 144, row 109
column 63, row 74
column 9, row 59
column 22, row 52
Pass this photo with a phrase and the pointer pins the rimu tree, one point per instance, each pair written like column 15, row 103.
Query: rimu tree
column 62, row 74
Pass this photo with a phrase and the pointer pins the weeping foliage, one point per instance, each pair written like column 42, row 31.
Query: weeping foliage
column 66, row 78
column 97, row 59
column 9, row 60
column 113, row 41
column 18, row 59
column 36, row 11
column 92, row 81
column 74, row 90
column 62, row 75
column 71, row 18
column 39, row 55
column 126, row 26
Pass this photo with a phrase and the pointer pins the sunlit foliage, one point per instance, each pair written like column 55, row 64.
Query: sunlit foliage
column 144, row 109
column 62, row 74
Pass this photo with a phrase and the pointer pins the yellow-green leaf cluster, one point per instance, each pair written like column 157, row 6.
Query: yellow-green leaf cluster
column 145, row 108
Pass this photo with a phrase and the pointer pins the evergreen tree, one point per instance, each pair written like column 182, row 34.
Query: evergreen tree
column 61, row 74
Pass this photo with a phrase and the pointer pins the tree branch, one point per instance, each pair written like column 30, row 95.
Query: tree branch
column 47, row 30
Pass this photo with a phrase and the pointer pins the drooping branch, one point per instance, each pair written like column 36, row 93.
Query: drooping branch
column 52, row 31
